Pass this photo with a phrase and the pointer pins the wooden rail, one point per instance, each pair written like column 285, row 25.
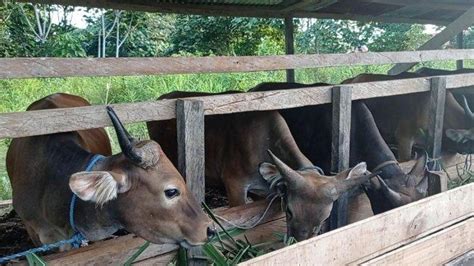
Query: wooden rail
column 385, row 233
column 87, row 67
column 22, row 124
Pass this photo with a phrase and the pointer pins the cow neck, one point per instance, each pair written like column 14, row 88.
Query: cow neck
column 92, row 221
column 370, row 144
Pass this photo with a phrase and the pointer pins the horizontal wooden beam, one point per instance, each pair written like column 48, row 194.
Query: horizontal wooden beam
column 391, row 230
column 118, row 250
column 435, row 4
column 22, row 124
column 102, row 67
column 436, row 249
column 231, row 10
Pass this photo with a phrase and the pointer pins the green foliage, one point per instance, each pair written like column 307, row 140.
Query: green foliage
column 336, row 36
column 222, row 35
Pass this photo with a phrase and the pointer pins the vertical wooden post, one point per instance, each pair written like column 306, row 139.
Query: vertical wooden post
column 460, row 45
column 190, row 130
column 340, row 148
column 435, row 131
column 289, row 46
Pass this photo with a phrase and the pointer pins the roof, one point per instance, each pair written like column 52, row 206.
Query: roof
column 409, row 11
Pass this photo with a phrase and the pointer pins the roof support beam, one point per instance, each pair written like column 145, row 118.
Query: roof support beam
column 439, row 4
column 289, row 46
column 460, row 45
column 461, row 23
column 314, row 4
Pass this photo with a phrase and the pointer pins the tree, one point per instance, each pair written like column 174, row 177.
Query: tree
column 222, row 35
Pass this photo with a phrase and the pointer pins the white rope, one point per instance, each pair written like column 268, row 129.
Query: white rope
column 244, row 226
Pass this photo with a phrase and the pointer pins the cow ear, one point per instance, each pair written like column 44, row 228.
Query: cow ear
column 420, row 166
column 98, row 186
column 268, row 171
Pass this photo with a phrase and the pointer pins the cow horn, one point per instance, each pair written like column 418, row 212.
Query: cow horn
column 125, row 140
column 467, row 110
column 393, row 197
column 345, row 185
column 290, row 175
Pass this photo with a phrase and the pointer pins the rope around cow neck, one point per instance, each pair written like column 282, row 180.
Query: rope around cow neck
column 244, row 226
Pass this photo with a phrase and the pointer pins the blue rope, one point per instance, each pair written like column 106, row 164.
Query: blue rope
column 77, row 238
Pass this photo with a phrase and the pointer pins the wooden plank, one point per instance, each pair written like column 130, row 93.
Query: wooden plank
column 465, row 259
column 118, row 250
column 461, row 23
column 132, row 66
column 435, row 132
column 22, row 124
column 5, row 204
column 438, row 4
column 391, row 229
column 190, row 135
column 311, row 4
column 230, row 10
column 436, row 249
column 460, row 45
column 289, row 46
column 340, row 148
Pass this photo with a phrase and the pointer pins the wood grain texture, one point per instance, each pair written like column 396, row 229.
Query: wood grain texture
column 436, row 183
column 386, row 231
column 22, row 124
column 86, row 67
column 190, row 135
column 435, row 249
column 191, row 156
column 340, row 148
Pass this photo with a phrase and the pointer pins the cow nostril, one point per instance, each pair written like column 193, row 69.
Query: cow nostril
column 211, row 232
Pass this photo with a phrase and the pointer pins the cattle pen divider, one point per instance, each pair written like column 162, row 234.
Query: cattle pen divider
column 190, row 112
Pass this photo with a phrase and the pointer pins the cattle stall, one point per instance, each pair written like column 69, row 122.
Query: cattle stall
column 427, row 222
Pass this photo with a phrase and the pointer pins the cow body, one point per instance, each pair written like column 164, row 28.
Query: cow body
column 45, row 171
column 237, row 148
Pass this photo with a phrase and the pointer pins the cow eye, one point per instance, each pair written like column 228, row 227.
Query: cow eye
column 171, row 193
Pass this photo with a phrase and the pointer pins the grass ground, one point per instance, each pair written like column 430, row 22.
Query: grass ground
column 17, row 94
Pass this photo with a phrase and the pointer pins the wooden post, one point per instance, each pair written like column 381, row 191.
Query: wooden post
column 435, row 131
column 460, row 45
column 190, row 130
column 289, row 46
column 340, row 148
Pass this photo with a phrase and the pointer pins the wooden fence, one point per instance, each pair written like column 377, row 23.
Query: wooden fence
column 190, row 112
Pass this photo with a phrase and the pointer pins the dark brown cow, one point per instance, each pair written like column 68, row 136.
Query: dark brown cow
column 139, row 190
column 236, row 144
column 312, row 131
column 401, row 118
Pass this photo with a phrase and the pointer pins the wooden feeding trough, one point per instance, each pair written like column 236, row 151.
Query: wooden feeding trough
column 438, row 228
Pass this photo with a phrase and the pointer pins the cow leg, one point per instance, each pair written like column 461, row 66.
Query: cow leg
column 236, row 192
column 33, row 236
column 405, row 135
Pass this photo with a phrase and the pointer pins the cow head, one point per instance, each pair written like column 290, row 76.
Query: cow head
column 308, row 195
column 464, row 138
column 386, row 194
column 143, row 192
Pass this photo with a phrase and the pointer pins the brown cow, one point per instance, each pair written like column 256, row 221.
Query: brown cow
column 139, row 189
column 236, row 144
